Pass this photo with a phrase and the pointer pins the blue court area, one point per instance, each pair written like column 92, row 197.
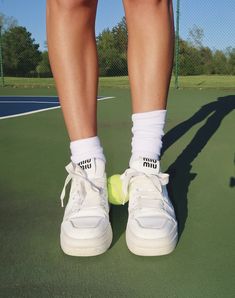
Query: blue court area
column 14, row 106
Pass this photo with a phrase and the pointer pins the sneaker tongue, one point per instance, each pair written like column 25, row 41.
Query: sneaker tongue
column 94, row 167
column 146, row 165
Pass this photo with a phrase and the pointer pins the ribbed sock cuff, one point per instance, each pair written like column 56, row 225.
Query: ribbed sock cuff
column 86, row 148
column 147, row 134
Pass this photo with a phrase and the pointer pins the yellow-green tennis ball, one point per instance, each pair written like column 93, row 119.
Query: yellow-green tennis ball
column 115, row 193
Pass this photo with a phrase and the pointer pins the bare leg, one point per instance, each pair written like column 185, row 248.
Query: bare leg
column 73, row 57
column 150, row 52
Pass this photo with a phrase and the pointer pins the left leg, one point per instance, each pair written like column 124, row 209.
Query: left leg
column 150, row 56
column 151, row 227
column 150, row 52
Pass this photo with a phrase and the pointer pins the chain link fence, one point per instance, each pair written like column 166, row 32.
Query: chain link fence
column 201, row 48
column 205, row 44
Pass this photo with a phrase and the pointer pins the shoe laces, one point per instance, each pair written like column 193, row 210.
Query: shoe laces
column 80, row 179
column 145, row 196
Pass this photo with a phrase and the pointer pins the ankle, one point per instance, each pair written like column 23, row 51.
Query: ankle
column 147, row 134
column 84, row 149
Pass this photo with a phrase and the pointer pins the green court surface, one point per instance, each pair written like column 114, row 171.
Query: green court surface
column 199, row 148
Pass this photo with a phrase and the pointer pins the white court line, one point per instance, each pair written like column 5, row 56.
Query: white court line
column 41, row 110
column 35, row 101
column 45, row 96
column 28, row 113
column 27, row 101
column 26, row 96
column 103, row 98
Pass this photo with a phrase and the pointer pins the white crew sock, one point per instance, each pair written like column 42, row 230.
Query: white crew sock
column 147, row 132
column 85, row 149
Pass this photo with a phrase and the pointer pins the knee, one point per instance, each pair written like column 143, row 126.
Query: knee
column 71, row 5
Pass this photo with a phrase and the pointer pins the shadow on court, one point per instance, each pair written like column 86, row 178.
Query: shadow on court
column 232, row 179
column 180, row 170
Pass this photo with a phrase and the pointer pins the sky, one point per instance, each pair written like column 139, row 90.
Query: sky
column 217, row 18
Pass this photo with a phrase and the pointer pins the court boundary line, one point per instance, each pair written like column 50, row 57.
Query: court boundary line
column 29, row 113
column 49, row 96
column 28, row 96
column 25, row 101
column 40, row 110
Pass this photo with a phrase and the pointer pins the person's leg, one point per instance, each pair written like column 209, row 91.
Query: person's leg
column 73, row 58
column 85, row 230
column 151, row 228
column 150, row 52
column 74, row 62
column 150, row 56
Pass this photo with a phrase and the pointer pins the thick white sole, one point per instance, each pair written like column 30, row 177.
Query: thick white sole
column 86, row 247
column 150, row 247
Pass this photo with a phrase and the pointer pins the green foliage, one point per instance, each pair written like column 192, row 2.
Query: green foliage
column 22, row 57
column 188, row 59
column 112, row 48
column 196, row 35
column 206, row 60
column 20, row 52
column 219, row 63
column 43, row 69
column 230, row 54
column 195, row 60
column 7, row 22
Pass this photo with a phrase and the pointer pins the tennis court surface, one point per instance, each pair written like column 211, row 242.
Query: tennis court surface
column 199, row 148
column 15, row 106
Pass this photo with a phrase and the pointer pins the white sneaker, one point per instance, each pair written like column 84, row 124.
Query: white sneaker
column 152, row 226
column 86, row 230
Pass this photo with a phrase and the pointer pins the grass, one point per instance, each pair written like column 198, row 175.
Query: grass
column 202, row 81
column 206, row 81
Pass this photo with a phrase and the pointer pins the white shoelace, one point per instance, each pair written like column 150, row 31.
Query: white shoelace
column 146, row 198
column 78, row 176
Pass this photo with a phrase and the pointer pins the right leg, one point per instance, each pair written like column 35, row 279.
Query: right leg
column 85, row 230
column 73, row 58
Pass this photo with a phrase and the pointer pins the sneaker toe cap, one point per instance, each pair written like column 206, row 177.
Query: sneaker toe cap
column 85, row 227
column 153, row 227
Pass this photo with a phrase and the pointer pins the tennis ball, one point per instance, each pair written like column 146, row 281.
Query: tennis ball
column 115, row 193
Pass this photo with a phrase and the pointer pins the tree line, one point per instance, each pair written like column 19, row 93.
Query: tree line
column 22, row 57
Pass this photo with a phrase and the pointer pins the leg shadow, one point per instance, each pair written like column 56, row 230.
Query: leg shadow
column 118, row 218
column 180, row 169
column 232, row 182
column 232, row 179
